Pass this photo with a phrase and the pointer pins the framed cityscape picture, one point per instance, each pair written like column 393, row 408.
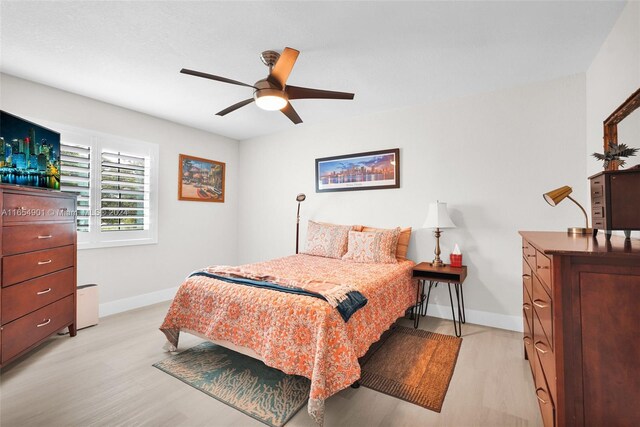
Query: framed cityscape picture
column 360, row 171
column 200, row 180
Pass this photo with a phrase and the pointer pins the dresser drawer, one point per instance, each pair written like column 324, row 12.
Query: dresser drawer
column 526, row 277
column 547, row 357
column 21, row 299
column 18, row 268
column 545, row 402
column 543, row 308
column 21, row 334
column 597, row 212
column 597, row 202
column 543, row 270
column 597, row 188
column 528, row 253
column 32, row 237
column 528, row 346
column 600, row 224
column 527, row 308
column 32, row 208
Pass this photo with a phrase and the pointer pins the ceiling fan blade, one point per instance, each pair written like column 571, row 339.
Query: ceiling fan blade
column 282, row 69
column 234, row 107
column 295, row 92
column 291, row 113
column 212, row 77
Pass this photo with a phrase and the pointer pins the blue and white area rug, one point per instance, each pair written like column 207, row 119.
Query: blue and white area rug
column 244, row 383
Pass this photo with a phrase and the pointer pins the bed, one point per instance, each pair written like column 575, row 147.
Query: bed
column 296, row 334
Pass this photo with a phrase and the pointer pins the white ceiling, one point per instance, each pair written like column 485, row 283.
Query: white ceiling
column 391, row 54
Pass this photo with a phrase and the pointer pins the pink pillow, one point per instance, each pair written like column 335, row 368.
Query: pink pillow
column 327, row 240
column 373, row 247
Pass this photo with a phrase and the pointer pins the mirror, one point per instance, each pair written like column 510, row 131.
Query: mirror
column 631, row 131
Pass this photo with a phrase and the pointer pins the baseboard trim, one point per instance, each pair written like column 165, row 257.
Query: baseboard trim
column 485, row 318
column 131, row 303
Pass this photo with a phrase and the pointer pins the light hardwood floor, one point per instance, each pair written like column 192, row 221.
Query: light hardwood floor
column 104, row 377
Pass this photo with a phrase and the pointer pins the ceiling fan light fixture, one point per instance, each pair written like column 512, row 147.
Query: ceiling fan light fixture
column 270, row 99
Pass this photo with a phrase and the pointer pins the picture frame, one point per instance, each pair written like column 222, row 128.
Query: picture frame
column 200, row 180
column 372, row 170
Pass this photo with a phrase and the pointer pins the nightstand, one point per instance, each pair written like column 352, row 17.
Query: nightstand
column 425, row 272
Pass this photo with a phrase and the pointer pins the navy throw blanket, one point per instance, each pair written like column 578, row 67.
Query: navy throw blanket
column 354, row 301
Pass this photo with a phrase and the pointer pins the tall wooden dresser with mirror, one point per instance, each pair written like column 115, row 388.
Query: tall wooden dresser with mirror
column 38, row 268
column 581, row 315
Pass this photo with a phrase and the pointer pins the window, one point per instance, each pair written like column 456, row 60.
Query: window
column 124, row 194
column 115, row 181
column 75, row 177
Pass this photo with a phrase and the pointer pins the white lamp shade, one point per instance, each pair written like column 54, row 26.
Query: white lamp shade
column 438, row 217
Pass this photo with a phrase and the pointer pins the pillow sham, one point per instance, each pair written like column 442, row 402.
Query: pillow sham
column 403, row 240
column 373, row 246
column 327, row 240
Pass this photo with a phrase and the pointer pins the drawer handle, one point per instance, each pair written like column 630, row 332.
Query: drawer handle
column 530, row 256
column 527, row 341
column 543, row 267
column 539, row 349
column 597, row 203
column 46, row 291
column 539, row 305
column 526, row 306
column 544, row 402
column 46, row 322
column 48, row 236
column 49, row 261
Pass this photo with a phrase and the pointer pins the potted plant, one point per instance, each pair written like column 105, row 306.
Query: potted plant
column 613, row 155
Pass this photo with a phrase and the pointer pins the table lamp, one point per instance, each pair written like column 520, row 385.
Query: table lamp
column 559, row 194
column 438, row 218
column 299, row 198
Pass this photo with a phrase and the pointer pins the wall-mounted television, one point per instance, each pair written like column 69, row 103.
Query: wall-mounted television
column 29, row 153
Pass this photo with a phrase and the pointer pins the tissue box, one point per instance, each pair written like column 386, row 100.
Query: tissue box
column 455, row 260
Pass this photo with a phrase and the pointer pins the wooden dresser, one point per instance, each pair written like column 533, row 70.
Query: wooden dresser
column 615, row 200
column 582, row 327
column 38, row 268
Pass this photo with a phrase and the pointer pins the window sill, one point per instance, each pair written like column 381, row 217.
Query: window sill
column 117, row 243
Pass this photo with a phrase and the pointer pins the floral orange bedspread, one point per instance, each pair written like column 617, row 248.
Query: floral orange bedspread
column 297, row 334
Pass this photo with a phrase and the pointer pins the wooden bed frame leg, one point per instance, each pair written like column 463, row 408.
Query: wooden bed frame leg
column 356, row 384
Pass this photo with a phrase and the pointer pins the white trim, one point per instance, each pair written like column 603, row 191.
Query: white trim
column 138, row 301
column 477, row 317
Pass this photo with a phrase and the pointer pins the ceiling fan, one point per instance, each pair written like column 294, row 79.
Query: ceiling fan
column 273, row 93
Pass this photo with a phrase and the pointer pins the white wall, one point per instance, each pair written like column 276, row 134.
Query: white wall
column 612, row 77
column 490, row 156
column 190, row 235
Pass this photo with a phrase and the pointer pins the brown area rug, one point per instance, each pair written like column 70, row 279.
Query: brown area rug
column 413, row 365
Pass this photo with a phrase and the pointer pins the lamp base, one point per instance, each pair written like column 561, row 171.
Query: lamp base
column 579, row 230
column 437, row 263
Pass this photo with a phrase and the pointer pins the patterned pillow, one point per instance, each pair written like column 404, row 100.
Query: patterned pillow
column 373, row 246
column 327, row 240
column 403, row 240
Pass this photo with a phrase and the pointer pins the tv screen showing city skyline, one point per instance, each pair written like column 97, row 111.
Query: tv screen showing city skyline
column 29, row 153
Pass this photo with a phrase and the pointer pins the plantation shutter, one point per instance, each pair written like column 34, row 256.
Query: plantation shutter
column 124, row 192
column 75, row 178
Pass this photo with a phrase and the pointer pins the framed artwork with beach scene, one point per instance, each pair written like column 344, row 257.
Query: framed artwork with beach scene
column 200, row 180
column 360, row 171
